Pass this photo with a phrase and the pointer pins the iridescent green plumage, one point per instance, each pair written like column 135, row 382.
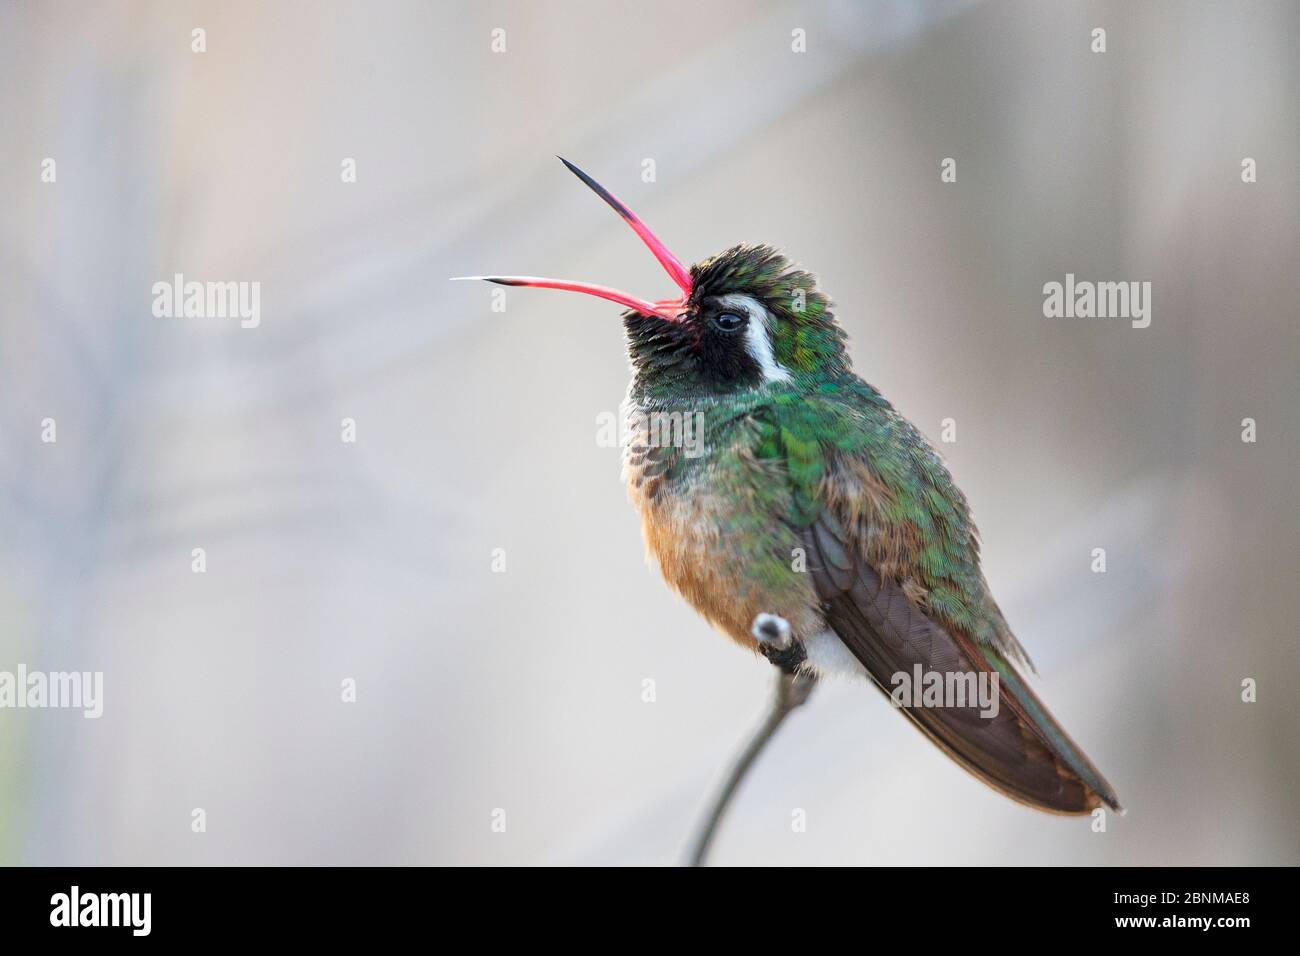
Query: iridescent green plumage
column 816, row 504
column 810, row 426
column 816, row 460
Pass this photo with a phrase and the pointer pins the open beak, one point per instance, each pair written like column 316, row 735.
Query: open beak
column 670, row 309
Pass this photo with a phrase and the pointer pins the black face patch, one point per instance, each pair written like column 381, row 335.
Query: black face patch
column 706, row 353
column 723, row 354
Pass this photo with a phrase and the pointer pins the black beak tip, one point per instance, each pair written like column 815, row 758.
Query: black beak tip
column 598, row 189
column 499, row 280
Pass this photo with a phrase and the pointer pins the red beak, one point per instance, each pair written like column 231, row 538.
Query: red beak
column 670, row 309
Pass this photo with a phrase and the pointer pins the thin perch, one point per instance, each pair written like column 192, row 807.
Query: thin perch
column 792, row 688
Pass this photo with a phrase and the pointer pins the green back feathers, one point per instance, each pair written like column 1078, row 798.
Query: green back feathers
column 907, row 515
column 918, row 528
column 779, row 450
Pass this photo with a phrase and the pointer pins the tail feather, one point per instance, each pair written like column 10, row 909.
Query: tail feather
column 1021, row 750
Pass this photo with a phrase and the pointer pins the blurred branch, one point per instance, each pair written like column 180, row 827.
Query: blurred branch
column 792, row 688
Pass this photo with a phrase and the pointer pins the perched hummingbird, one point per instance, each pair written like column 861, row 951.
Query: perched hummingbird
column 815, row 501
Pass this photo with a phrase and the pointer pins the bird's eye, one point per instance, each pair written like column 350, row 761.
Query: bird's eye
column 728, row 321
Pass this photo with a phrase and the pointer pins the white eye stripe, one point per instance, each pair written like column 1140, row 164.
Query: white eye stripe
column 758, row 335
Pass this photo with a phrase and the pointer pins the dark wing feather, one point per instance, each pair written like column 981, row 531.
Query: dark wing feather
column 1022, row 751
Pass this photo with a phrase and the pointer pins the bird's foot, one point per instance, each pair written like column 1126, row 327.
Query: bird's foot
column 776, row 642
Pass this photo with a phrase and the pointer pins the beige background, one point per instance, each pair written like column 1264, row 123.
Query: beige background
column 477, row 430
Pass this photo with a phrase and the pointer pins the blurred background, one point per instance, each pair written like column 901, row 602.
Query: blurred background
column 372, row 561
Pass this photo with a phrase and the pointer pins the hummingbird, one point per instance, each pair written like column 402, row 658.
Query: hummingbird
column 817, row 525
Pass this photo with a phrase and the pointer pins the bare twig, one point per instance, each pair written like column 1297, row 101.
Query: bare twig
column 791, row 689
